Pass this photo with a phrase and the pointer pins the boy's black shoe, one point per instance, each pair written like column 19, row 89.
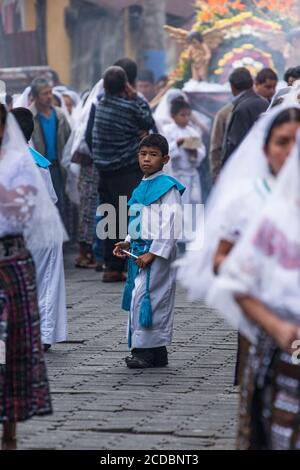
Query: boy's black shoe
column 145, row 358
column 160, row 356
column 136, row 362
column 140, row 359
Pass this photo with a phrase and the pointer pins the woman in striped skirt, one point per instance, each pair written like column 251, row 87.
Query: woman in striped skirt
column 25, row 208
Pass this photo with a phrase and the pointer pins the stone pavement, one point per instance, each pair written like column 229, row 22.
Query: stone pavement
column 100, row 404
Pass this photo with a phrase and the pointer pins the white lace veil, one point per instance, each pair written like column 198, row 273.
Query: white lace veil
column 77, row 143
column 293, row 96
column 21, row 101
column 266, row 262
column 246, row 164
column 25, row 205
column 78, row 136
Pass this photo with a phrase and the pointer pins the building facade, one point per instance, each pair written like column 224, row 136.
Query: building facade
column 80, row 38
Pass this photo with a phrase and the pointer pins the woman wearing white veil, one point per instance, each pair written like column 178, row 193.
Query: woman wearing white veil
column 83, row 180
column 77, row 144
column 258, row 292
column 28, row 220
column 246, row 168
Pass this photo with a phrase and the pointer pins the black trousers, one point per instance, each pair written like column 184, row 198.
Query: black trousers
column 111, row 187
column 58, row 185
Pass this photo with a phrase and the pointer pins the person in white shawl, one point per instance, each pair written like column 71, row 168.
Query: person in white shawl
column 48, row 261
column 258, row 291
column 26, row 214
column 243, row 174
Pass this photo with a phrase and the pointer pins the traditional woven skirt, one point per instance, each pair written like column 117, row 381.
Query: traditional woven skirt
column 24, row 389
column 269, row 399
column 88, row 188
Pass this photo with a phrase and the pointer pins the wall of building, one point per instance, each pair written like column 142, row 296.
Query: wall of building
column 30, row 15
column 97, row 39
column 58, row 41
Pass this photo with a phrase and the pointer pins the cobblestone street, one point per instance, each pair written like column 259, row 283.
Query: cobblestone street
column 100, row 404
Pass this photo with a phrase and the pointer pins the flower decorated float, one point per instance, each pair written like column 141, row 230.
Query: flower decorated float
column 237, row 33
column 228, row 34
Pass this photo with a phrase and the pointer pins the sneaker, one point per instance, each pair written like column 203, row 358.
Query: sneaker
column 113, row 276
column 47, row 347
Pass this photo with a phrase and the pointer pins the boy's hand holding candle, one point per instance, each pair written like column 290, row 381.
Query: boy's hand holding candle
column 118, row 249
column 144, row 260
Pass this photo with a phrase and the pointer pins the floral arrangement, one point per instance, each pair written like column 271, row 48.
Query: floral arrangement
column 245, row 56
column 244, row 25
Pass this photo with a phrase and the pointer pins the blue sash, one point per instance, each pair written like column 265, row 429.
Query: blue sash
column 39, row 159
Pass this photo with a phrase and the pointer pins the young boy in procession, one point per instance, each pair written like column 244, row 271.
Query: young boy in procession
column 149, row 295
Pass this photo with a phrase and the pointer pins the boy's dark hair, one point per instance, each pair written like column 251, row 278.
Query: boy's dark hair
column 241, row 79
column 292, row 72
column 178, row 104
column 146, row 76
column 288, row 73
column 24, row 118
column 264, row 75
column 195, row 35
column 156, row 140
column 115, row 80
column 130, row 68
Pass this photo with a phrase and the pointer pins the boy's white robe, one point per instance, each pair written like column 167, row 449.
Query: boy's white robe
column 51, row 283
column 162, row 279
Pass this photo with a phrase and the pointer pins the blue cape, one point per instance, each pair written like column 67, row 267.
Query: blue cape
column 39, row 159
column 149, row 191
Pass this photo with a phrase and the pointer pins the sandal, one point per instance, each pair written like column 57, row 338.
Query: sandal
column 87, row 262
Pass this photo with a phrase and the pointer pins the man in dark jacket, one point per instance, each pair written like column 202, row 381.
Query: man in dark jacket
column 121, row 120
column 247, row 107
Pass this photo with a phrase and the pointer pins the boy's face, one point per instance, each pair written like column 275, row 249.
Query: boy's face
column 151, row 160
column 183, row 117
column 267, row 89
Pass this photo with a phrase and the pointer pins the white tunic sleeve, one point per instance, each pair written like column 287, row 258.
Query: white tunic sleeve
column 201, row 154
column 168, row 230
column 47, row 178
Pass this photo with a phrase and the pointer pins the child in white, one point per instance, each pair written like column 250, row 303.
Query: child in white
column 186, row 151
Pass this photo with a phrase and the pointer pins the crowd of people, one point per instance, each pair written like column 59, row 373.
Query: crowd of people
column 64, row 156
column 247, row 265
